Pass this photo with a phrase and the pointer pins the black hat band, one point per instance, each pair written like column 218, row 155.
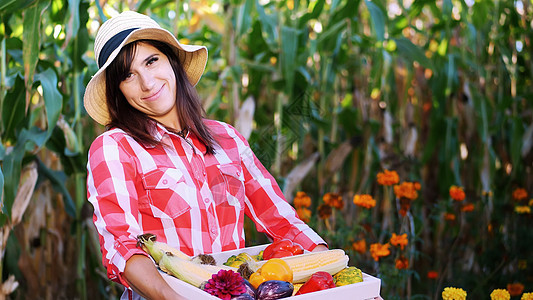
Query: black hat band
column 112, row 44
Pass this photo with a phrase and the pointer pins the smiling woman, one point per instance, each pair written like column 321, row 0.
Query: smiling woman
column 162, row 168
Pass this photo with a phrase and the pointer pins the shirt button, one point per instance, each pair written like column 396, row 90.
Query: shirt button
column 206, row 200
column 238, row 173
column 213, row 230
column 165, row 181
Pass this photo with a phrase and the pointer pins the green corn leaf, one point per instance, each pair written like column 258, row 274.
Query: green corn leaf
column 412, row 53
column 334, row 4
column 314, row 14
column 378, row 18
column 268, row 27
column 11, row 176
column 9, row 6
column 31, row 39
column 73, row 18
column 289, row 46
column 13, row 110
column 244, row 17
column 58, row 180
column 327, row 38
column 1, row 183
column 517, row 131
column 52, row 98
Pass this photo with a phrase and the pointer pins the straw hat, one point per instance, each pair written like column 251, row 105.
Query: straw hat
column 125, row 28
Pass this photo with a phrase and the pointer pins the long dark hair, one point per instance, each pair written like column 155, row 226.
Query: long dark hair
column 138, row 124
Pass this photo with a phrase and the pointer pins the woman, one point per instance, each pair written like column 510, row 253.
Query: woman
column 162, row 168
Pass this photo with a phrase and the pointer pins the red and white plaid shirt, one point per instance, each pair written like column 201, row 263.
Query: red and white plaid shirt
column 192, row 201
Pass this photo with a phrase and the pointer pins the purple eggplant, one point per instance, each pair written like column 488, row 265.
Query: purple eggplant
column 249, row 288
column 243, row 296
column 274, row 289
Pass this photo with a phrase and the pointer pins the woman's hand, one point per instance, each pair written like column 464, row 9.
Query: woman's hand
column 143, row 277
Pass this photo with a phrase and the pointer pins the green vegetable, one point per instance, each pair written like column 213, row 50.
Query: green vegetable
column 236, row 261
column 348, row 276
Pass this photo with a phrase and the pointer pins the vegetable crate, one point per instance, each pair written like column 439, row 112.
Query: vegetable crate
column 366, row 290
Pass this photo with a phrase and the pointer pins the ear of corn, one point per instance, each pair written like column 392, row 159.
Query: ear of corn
column 185, row 270
column 157, row 249
column 304, row 265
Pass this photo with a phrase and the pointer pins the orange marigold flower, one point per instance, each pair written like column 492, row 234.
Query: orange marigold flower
column 515, row 289
column 449, row 217
column 379, row 250
column 365, row 201
column 388, row 177
column 304, row 214
column 527, row 296
column 324, row 211
column 519, row 194
column 360, row 246
column 500, row 294
column 524, row 209
column 467, row 207
column 302, row 200
column 453, row 293
column 402, row 263
column 433, row 274
column 407, row 190
column 333, row 200
column 457, row 193
column 399, row 240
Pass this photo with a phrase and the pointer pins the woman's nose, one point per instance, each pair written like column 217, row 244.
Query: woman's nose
column 147, row 81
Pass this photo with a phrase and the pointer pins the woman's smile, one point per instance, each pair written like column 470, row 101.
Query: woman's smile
column 154, row 96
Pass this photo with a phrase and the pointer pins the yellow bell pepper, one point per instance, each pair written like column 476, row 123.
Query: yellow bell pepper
column 273, row 269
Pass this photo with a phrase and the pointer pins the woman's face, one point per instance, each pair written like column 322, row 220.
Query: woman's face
column 150, row 85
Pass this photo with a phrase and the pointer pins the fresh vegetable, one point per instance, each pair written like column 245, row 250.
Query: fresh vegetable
column 237, row 260
column 274, row 289
column 273, row 269
column 188, row 271
column 304, row 265
column 157, row 249
column 250, row 289
column 244, row 297
column 318, row 281
column 225, row 284
column 185, row 270
column 282, row 248
column 348, row 276
column 259, row 256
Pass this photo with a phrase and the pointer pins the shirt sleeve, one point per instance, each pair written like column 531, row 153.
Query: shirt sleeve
column 266, row 204
column 111, row 190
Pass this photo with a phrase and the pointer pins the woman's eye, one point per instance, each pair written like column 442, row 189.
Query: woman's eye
column 128, row 76
column 152, row 60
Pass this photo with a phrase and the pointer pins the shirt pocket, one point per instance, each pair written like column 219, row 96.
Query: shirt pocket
column 166, row 191
column 233, row 184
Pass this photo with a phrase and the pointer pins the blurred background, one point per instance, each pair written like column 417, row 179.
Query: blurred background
column 401, row 130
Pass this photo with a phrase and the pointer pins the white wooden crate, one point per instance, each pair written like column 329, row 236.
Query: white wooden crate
column 368, row 289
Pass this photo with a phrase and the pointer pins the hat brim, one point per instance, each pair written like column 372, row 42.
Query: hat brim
column 193, row 59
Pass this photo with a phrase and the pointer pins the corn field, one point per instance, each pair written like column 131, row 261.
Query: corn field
column 401, row 131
